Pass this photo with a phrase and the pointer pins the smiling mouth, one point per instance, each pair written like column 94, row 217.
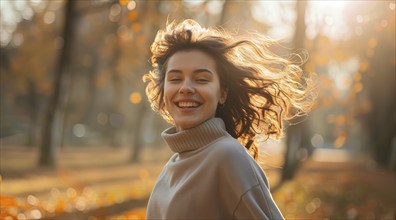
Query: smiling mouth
column 188, row 104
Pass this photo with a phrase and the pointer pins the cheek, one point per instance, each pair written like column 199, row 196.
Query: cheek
column 214, row 96
column 167, row 94
column 218, row 92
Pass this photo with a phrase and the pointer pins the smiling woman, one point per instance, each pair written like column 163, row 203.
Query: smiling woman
column 192, row 88
column 219, row 91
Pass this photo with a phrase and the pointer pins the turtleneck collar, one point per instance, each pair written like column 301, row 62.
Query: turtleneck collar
column 196, row 137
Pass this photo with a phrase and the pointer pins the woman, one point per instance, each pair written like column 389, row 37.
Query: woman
column 219, row 91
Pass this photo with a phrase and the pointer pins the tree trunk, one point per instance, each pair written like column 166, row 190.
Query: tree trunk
column 382, row 118
column 89, row 117
column 53, row 125
column 137, row 141
column 115, row 128
column 33, row 106
column 153, row 19
column 231, row 8
column 296, row 134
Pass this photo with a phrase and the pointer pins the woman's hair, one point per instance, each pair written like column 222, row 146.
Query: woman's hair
column 263, row 89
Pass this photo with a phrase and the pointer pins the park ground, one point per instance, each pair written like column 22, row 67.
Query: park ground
column 100, row 183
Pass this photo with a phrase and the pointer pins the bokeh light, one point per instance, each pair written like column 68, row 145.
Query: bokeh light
column 105, row 150
column 135, row 98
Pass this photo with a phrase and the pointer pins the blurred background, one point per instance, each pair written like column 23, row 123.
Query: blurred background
column 79, row 140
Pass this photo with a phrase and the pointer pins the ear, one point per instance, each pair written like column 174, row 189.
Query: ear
column 223, row 96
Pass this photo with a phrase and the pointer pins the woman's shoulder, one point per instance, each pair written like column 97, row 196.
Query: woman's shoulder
column 235, row 165
column 228, row 148
column 230, row 154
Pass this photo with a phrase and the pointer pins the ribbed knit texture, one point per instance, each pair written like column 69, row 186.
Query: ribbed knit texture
column 203, row 134
column 210, row 176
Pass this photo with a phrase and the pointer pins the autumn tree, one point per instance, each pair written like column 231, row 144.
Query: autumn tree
column 377, row 50
column 297, row 137
column 53, row 126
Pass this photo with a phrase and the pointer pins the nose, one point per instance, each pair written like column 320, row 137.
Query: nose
column 187, row 87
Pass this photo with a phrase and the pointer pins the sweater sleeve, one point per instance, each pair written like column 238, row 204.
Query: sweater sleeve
column 257, row 203
column 245, row 181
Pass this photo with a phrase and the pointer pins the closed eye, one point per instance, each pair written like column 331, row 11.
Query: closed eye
column 175, row 80
column 202, row 80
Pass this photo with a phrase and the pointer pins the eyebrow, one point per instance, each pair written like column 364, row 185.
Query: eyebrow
column 195, row 71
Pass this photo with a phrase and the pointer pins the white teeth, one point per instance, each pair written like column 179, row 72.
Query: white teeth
column 187, row 104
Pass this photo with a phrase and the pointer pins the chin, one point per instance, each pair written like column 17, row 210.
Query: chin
column 186, row 123
column 189, row 123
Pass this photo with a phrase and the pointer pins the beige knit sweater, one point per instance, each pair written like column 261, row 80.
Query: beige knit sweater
column 210, row 176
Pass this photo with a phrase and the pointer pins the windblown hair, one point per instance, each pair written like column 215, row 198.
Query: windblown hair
column 264, row 89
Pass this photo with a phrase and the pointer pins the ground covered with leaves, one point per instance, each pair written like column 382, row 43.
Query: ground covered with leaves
column 355, row 189
column 100, row 184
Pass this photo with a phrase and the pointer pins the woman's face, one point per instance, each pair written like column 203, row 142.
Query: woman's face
column 192, row 88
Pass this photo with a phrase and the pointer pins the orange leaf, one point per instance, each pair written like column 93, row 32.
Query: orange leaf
column 6, row 215
column 133, row 15
column 124, row 2
column 8, row 201
column 60, row 205
column 136, row 27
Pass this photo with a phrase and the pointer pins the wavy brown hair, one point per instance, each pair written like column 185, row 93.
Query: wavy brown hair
column 263, row 89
